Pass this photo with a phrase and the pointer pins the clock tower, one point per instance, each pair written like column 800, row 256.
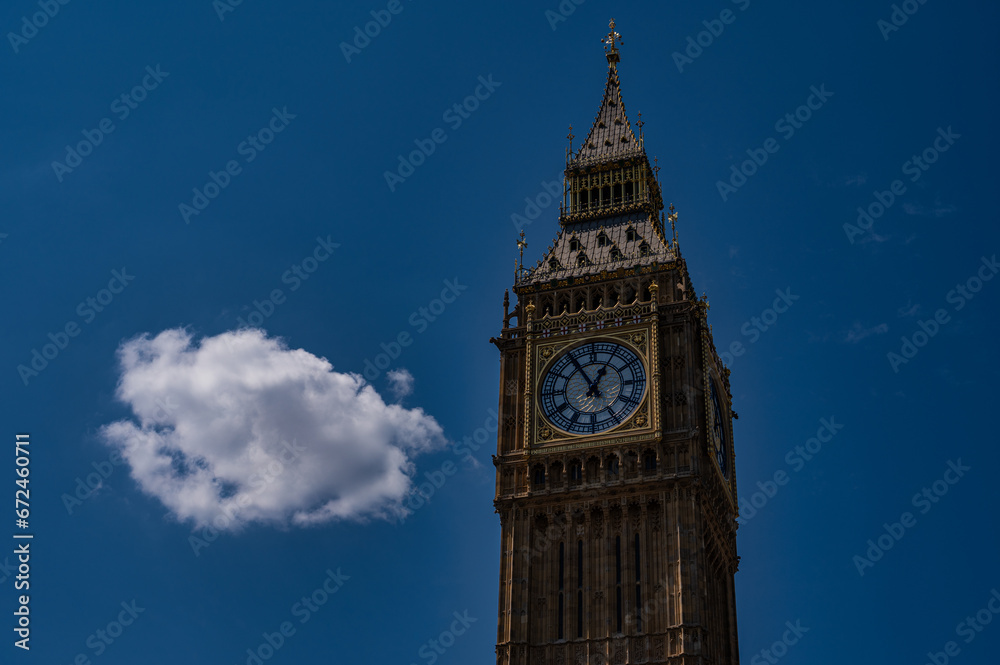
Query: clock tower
column 615, row 483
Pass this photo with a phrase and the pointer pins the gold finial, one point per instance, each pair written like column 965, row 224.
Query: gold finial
column 570, row 136
column 611, row 42
column 673, row 218
column 521, row 244
column 656, row 167
column 639, row 124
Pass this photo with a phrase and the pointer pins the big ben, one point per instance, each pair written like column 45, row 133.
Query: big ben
column 615, row 480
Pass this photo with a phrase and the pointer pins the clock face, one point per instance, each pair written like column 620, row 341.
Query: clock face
column 592, row 388
column 719, row 434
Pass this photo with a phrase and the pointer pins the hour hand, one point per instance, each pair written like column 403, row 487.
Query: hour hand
column 593, row 391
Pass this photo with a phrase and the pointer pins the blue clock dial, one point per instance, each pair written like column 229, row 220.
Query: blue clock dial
column 592, row 388
column 719, row 434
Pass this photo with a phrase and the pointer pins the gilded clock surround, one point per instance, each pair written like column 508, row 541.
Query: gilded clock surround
column 549, row 337
column 617, row 546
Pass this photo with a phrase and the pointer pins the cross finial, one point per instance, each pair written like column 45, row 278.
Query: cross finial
column 673, row 218
column 570, row 136
column 656, row 167
column 521, row 244
column 611, row 42
column 639, row 124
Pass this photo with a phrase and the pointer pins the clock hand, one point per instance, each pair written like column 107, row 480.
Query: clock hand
column 577, row 365
column 593, row 391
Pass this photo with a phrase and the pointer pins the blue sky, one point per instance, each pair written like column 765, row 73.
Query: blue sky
column 303, row 227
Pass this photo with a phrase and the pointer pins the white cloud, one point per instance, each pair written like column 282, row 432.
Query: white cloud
column 859, row 332
column 849, row 181
column 400, row 382
column 239, row 424
column 937, row 210
column 872, row 237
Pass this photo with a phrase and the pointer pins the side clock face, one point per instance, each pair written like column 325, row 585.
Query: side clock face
column 592, row 388
column 719, row 434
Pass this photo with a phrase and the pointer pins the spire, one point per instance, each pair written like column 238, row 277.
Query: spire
column 611, row 42
column 611, row 135
column 610, row 216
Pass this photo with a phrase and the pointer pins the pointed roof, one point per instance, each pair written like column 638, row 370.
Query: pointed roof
column 602, row 245
column 611, row 135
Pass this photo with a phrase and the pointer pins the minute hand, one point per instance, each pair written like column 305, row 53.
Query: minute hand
column 577, row 365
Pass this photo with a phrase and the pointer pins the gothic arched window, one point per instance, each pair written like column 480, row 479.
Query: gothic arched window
column 611, row 467
column 538, row 480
